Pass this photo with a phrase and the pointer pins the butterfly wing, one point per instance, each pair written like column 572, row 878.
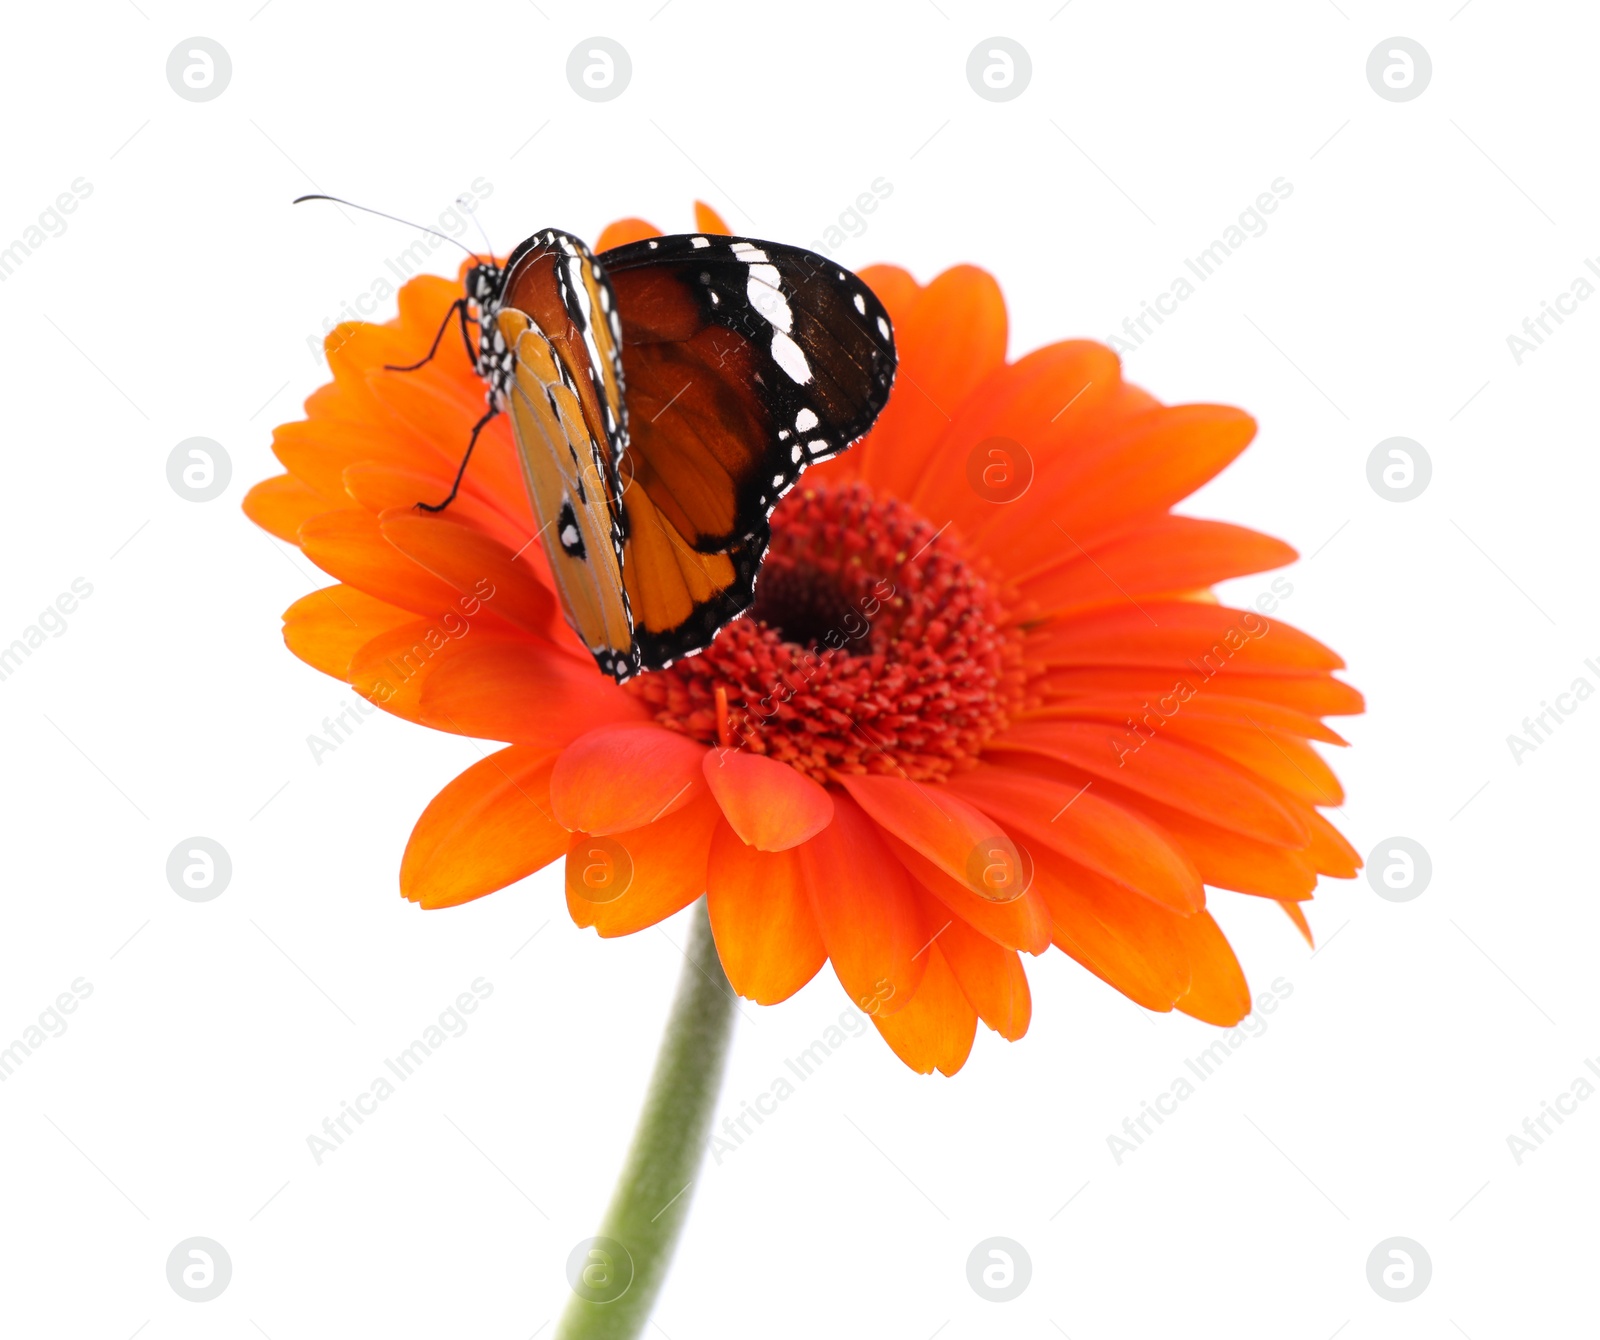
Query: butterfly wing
column 558, row 335
column 745, row 363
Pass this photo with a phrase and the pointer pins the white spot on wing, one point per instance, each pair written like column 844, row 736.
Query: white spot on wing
column 765, row 294
column 861, row 304
column 805, row 421
column 788, row 356
column 883, row 326
column 698, row 242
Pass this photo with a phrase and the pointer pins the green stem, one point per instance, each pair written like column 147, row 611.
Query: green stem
column 651, row 1202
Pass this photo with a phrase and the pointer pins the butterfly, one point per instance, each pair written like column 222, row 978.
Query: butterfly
column 664, row 395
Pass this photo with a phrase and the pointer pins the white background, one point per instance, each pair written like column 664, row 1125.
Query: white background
column 1419, row 235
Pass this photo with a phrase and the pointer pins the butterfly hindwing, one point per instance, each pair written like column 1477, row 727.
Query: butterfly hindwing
column 562, row 392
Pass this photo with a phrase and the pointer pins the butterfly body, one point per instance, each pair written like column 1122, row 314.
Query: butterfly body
column 664, row 396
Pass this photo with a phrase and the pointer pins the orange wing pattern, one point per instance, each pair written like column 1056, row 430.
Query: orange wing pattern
column 664, row 397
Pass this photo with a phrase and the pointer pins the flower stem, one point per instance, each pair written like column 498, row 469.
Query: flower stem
column 651, row 1201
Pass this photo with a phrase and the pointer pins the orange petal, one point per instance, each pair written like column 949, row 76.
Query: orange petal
column 1171, row 553
column 442, row 416
column 1314, row 695
column 1228, row 861
column 707, row 220
column 1224, row 858
column 349, row 546
column 894, row 288
column 1146, row 465
column 1022, row 923
column 953, row 834
column 1100, row 836
column 623, row 777
column 659, row 869
column 949, row 341
column 761, row 917
column 1126, row 941
column 488, row 828
column 1218, row 993
column 1329, row 851
column 934, row 1031
column 1276, row 755
column 1195, row 639
column 475, row 564
column 622, row 232
column 378, row 487
column 527, row 692
column 1153, row 710
column 393, row 668
column 1299, row 918
column 356, row 348
column 328, row 627
column 770, row 805
column 317, row 450
column 1167, row 771
column 991, row 978
column 281, row 504
column 866, row 910
column 1032, row 411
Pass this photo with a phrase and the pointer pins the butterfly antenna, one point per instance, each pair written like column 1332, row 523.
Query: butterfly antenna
column 466, row 205
column 367, row 209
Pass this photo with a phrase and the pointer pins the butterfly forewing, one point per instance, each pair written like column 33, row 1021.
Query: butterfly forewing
column 745, row 362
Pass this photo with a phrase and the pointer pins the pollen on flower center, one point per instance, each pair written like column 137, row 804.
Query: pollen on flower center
column 873, row 646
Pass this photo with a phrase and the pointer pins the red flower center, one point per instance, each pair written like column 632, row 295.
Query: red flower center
column 874, row 646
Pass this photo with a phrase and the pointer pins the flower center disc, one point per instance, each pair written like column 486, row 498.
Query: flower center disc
column 874, row 646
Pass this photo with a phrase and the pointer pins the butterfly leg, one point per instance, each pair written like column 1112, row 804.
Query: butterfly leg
column 456, row 487
column 458, row 309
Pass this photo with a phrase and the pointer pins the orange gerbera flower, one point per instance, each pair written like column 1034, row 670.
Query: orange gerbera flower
column 984, row 703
